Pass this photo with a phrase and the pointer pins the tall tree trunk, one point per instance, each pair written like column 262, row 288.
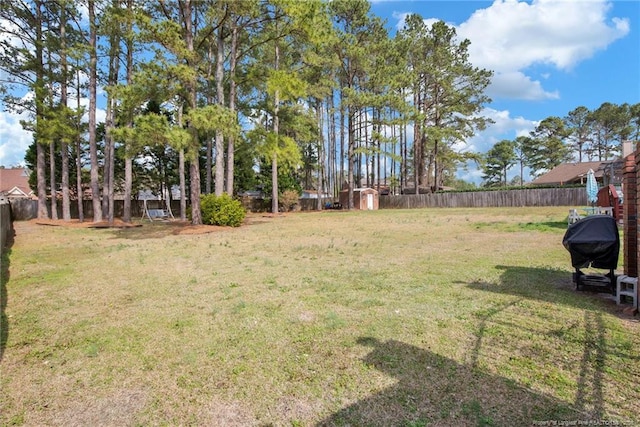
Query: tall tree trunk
column 342, row 128
column 232, row 105
column 368, row 157
column 436, row 150
column 377, row 151
column 219, row 168
column 332, row 146
column 350, row 155
column 52, row 180
column 41, row 181
column 128, row 183
column 93, row 82
column 522, row 173
column 276, row 131
column 128, row 161
column 404, row 157
column 183, row 185
column 208, row 165
column 66, row 201
column 64, row 146
column 79, row 188
column 194, row 176
column 39, row 101
column 109, row 163
column 319, row 185
column 106, row 172
column 417, row 152
column 358, row 153
column 111, row 180
column 194, row 165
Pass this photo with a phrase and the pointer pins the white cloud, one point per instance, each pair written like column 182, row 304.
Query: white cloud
column 559, row 33
column 504, row 127
column 511, row 36
column 525, row 44
column 553, row 33
column 14, row 140
column 517, row 85
column 470, row 175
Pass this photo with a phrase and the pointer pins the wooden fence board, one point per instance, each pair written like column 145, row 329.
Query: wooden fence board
column 574, row 196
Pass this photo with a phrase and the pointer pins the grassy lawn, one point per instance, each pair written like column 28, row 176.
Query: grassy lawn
column 443, row 317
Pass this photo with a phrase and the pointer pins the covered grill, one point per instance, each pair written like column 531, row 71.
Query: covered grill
column 594, row 241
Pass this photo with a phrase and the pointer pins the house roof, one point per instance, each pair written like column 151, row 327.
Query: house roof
column 571, row 173
column 14, row 182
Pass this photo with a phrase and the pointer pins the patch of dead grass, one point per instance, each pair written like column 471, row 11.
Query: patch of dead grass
column 122, row 407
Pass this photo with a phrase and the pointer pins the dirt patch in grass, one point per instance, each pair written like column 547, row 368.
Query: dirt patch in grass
column 177, row 227
column 231, row 414
column 74, row 223
column 119, row 408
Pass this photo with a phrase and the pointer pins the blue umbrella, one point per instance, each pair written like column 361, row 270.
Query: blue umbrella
column 592, row 187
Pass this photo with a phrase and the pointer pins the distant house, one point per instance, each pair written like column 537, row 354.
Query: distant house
column 609, row 172
column 313, row 194
column 14, row 183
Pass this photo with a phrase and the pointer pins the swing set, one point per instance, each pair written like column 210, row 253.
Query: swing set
column 155, row 208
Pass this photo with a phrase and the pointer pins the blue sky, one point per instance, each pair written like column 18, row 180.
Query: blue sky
column 549, row 57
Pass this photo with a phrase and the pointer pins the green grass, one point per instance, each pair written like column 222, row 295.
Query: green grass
column 409, row 317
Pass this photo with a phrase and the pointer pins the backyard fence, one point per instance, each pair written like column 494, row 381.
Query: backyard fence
column 574, row 196
column 27, row 209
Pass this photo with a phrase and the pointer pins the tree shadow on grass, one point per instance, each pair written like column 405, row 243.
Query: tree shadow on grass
column 544, row 225
column 544, row 284
column 5, row 261
column 152, row 230
column 562, row 225
column 590, row 397
column 588, row 335
column 433, row 390
column 160, row 230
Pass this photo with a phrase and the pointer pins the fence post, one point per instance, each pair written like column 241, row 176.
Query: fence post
column 5, row 222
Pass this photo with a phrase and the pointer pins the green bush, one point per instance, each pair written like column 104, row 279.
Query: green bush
column 221, row 210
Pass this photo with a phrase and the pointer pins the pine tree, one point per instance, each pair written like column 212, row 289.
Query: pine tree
column 579, row 125
column 549, row 148
column 498, row 161
column 448, row 95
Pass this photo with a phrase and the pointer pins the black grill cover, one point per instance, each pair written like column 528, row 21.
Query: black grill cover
column 593, row 241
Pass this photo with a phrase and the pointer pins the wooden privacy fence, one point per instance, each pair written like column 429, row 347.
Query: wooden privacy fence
column 575, row 196
column 25, row 209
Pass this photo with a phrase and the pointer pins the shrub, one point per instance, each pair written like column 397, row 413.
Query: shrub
column 221, row 210
column 289, row 199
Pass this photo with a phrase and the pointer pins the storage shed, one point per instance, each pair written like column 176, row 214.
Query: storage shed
column 363, row 198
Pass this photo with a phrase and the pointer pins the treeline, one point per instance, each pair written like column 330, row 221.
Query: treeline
column 219, row 96
column 582, row 135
